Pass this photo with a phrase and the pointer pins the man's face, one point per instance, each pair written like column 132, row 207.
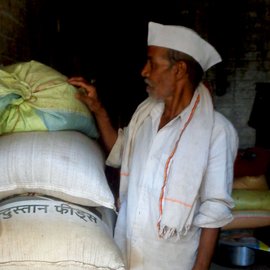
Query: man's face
column 159, row 74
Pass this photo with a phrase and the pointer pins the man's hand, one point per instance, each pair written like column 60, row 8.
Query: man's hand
column 87, row 94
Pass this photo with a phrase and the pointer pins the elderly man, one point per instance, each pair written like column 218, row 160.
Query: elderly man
column 176, row 157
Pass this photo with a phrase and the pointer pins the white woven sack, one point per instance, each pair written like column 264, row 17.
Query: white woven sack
column 63, row 164
column 46, row 234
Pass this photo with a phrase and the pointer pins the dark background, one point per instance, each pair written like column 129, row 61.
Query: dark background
column 107, row 40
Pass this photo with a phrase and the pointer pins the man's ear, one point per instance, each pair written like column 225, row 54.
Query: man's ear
column 181, row 69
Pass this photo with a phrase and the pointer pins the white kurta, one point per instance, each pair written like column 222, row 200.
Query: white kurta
column 136, row 229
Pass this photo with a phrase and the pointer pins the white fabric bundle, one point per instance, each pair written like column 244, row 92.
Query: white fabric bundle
column 64, row 164
column 43, row 233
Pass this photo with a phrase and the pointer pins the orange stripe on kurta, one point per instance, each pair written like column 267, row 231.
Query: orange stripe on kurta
column 179, row 202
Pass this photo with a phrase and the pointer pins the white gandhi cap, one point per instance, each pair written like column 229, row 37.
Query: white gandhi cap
column 185, row 40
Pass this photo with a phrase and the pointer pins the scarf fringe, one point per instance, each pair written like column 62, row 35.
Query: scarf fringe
column 166, row 232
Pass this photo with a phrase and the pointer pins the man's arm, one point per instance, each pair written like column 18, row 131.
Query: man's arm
column 206, row 249
column 91, row 100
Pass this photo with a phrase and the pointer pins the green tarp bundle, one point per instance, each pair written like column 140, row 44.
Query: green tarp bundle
column 35, row 97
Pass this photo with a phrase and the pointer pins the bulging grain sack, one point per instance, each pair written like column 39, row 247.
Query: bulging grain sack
column 257, row 182
column 64, row 164
column 248, row 199
column 44, row 233
column 36, row 97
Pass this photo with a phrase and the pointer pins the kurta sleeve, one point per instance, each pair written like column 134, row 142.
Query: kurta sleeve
column 215, row 193
column 115, row 157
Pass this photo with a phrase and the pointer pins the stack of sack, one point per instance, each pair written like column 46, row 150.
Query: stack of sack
column 251, row 191
column 56, row 208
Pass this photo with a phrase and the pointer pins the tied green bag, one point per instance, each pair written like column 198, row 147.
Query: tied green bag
column 35, row 97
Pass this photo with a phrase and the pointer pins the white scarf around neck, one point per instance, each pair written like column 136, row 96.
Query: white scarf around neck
column 185, row 169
